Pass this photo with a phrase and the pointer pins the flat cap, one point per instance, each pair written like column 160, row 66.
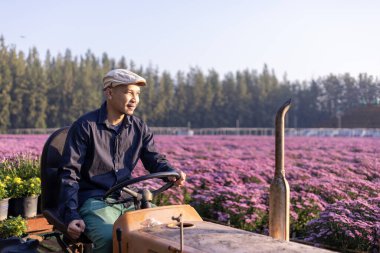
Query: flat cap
column 117, row 77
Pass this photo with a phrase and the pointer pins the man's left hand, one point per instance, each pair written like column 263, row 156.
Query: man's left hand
column 180, row 181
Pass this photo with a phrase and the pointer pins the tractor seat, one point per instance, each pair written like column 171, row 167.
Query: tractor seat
column 50, row 161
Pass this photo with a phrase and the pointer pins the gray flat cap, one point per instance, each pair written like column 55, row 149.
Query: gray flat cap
column 117, row 77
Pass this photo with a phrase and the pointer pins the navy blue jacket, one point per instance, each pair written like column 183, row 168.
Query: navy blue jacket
column 96, row 157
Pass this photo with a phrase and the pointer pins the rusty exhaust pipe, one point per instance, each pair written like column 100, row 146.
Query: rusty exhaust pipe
column 279, row 197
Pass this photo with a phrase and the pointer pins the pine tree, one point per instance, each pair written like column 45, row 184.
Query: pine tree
column 88, row 87
column 307, row 105
column 368, row 90
column 148, row 96
column 107, row 64
column 333, row 98
column 217, row 113
column 163, row 99
column 19, row 89
column 242, row 99
column 5, row 87
column 67, row 104
column 351, row 98
column 253, row 89
column 35, row 102
column 122, row 64
column 267, row 106
column 178, row 115
column 229, row 92
column 54, row 80
column 196, row 80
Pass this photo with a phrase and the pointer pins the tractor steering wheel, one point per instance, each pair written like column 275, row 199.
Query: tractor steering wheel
column 135, row 195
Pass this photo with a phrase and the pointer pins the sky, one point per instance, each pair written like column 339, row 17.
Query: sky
column 302, row 39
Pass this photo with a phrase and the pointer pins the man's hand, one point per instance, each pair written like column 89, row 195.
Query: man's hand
column 181, row 181
column 75, row 228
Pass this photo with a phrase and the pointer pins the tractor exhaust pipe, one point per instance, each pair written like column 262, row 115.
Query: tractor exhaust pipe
column 279, row 197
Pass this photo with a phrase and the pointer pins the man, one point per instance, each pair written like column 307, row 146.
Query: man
column 102, row 148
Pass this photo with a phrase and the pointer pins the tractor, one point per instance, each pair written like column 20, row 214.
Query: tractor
column 175, row 228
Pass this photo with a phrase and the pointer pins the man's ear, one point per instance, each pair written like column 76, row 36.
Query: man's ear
column 108, row 93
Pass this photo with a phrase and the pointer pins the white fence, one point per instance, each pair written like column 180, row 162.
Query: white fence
column 331, row 132
column 334, row 132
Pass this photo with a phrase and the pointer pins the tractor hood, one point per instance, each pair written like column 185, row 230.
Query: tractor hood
column 154, row 231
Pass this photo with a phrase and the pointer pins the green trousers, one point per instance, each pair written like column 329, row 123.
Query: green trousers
column 99, row 219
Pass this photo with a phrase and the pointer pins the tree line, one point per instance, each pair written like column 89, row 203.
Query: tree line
column 53, row 92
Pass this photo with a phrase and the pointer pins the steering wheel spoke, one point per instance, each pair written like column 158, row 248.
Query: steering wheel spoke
column 130, row 192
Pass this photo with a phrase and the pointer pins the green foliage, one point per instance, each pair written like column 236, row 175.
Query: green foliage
column 236, row 214
column 162, row 199
column 3, row 190
column 35, row 104
column 32, row 186
column 53, row 92
column 15, row 186
column 19, row 89
column 14, row 226
column 5, row 86
column 18, row 188
column 171, row 197
column 20, row 175
column 22, row 166
column 305, row 211
column 348, row 225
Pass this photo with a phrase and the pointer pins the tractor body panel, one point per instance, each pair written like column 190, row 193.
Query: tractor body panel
column 154, row 231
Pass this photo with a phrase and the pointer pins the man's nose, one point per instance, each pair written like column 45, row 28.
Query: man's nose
column 134, row 98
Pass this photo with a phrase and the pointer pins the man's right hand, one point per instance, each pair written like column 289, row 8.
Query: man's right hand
column 75, row 228
column 180, row 181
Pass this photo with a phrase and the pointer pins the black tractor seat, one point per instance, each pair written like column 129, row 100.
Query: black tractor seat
column 50, row 161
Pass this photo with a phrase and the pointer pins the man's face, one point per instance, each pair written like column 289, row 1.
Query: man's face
column 124, row 98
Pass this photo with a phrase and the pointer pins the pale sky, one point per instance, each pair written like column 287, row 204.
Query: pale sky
column 305, row 39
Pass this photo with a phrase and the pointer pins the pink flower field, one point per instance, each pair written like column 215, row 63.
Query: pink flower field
column 334, row 182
